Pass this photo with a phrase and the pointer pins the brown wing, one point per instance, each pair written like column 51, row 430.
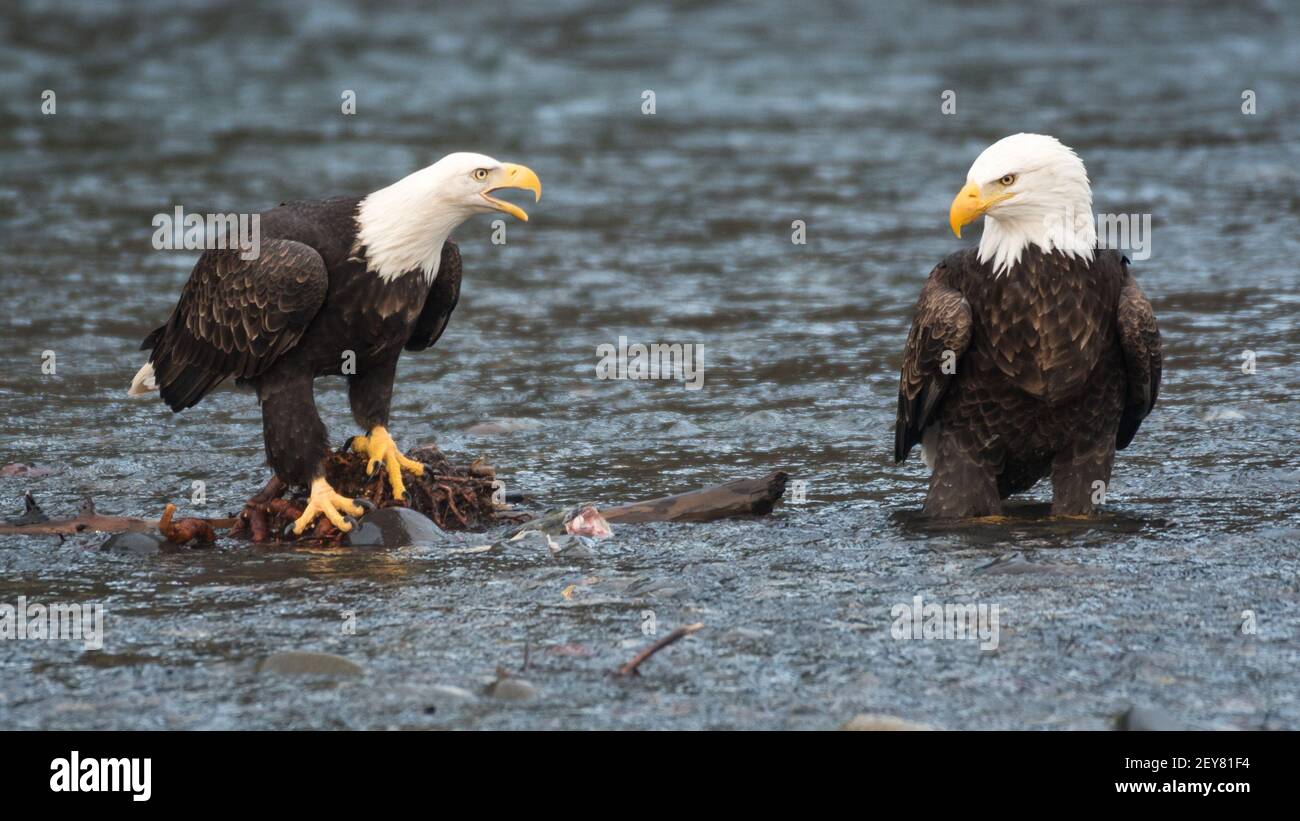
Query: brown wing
column 942, row 323
column 1139, row 339
column 440, row 302
column 235, row 317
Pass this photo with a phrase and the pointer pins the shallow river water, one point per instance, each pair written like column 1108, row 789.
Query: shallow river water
column 667, row 227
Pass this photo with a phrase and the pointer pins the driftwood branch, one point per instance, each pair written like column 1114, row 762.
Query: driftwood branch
column 183, row 531
column 88, row 521
column 677, row 635
column 740, row 497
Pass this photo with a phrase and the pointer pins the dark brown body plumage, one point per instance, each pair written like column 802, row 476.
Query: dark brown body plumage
column 1050, row 368
column 302, row 309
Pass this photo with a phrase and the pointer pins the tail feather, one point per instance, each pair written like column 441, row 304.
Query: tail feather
column 143, row 382
column 184, row 389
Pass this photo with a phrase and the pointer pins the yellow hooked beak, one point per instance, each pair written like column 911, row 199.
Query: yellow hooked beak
column 510, row 175
column 970, row 204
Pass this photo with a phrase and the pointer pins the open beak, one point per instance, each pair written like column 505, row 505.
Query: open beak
column 969, row 205
column 510, row 175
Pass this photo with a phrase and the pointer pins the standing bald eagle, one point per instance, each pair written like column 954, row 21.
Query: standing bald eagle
column 1034, row 354
column 353, row 279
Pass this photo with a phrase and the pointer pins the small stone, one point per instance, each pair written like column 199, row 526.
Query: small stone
column 395, row 527
column 511, row 689
column 138, row 544
column 1149, row 719
column 305, row 663
column 449, row 691
column 879, row 722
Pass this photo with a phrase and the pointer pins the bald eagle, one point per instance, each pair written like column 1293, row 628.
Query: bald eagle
column 350, row 281
column 1035, row 353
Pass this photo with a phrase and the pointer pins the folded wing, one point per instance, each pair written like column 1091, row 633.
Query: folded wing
column 440, row 302
column 940, row 333
column 235, row 318
column 1140, row 341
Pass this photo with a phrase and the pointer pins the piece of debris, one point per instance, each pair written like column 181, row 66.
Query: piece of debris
column 32, row 513
column 630, row 669
column 588, row 522
column 395, row 527
column 578, row 520
column 453, row 692
column 88, row 520
column 453, row 498
column 508, row 688
column 740, row 497
column 137, row 544
column 536, row 542
column 184, row 531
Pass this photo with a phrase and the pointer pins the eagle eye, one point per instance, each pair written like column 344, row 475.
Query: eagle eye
column 480, row 173
column 1008, row 179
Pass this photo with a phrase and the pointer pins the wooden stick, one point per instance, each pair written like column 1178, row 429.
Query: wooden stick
column 680, row 633
column 183, row 531
column 741, row 497
column 88, row 521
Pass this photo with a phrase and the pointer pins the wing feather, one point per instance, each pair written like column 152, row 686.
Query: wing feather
column 235, row 317
column 942, row 323
column 440, row 302
column 1139, row 339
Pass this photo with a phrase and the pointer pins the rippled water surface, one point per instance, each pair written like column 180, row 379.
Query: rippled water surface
column 674, row 227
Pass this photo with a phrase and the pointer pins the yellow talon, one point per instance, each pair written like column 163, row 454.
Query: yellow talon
column 380, row 447
column 324, row 500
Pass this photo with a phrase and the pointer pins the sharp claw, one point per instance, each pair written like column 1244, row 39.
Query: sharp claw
column 351, row 522
column 326, row 502
column 347, row 446
column 365, row 504
column 351, row 508
column 287, row 533
column 380, row 448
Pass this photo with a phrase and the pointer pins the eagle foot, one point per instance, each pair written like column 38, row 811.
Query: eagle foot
column 380, row 448
column 325, row 500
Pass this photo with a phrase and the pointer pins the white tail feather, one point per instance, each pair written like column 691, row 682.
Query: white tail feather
column 143, row 382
